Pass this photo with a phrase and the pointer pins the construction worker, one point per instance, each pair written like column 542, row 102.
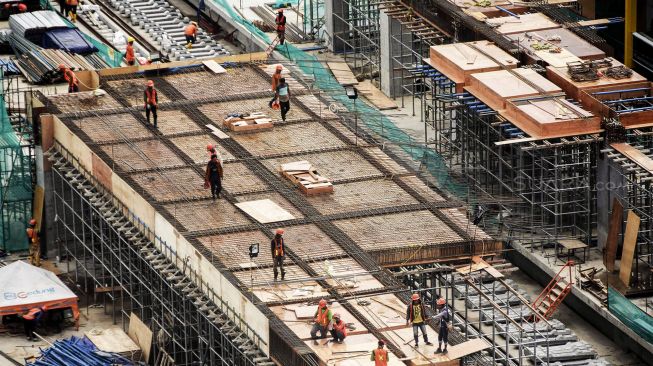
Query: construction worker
column 130, row 55
column 69, row 76
column 276, row 77
column 151, row 99
column 282, row 94
column 278, row 248
column 30, row 321
column 380, row 355
column 71, row 5
column 339, row 329
column 212, row 150
column 416, row 315
column 191, row 34
column 213, row 176
column 323, row 318
column 280, row 20
column 444, row 317
column 34, row 244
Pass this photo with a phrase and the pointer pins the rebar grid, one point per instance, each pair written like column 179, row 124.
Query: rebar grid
column 99, row 132
column 239, row 179
column 206, row 214
column 140, row 155
column 195, row 148
column 235, row 81
column 179, row 184
column 174, row 122
column 233, row 249
column 132, row 90
column 217, row 112
column 82, row 101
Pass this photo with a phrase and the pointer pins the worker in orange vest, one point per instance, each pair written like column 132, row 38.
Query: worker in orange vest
column 276, row 79
column 278, row 248
column 380, row 355
column 151, row 99
column 191, row 34
column 339, row 330
column 69, row 76
column 34, row 244
column 416, row 314
column 323, row 318
column 72, row 9
column 130, row 55
column 30, row 321
column 280, row 20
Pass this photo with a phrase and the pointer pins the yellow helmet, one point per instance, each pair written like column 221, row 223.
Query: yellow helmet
column 130, row 39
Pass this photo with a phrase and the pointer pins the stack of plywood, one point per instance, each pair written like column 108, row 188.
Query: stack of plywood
column 115, row 340
column 306, row 177
column 254, row 121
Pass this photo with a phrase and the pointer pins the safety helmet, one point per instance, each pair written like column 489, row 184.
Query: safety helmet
column 415, row 297
column 279, row 67
column 193, row 23
column 32, row 222
column 280, row 10
column 150, row 83
column 209, row 147
column 322, row 303
column 280, row 231
column 381, row 343
column 441, row 301
column 336, row 315
column 130, row 39
column 62, row 66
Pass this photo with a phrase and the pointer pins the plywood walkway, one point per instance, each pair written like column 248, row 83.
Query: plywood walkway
column 342, row 72
column 375, row 96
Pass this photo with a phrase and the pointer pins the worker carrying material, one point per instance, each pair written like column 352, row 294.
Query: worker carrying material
column 213, row 176
column 278, row 248
column 444, row 317
column 282, row 96
column 151, row 99
column 71, row 6
column 339, row 329
column 130, row 55
column 280, row 20
column 416, row 315
column 380, row 355
column 33, row 239
column 69, row 76
column 31, row 320
column 191, row 34
column 323, row 319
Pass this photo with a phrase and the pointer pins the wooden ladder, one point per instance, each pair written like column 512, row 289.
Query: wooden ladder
column 272, row 46
column 555, row 292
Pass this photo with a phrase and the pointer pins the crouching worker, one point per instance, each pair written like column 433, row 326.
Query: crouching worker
column 339, row 329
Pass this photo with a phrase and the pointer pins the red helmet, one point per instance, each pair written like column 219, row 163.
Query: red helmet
column 209, row 147
column 441, row 301
column 280, row 231
column 32, row 222
column 415, row 297
column 62, row 66
column 322, row 303
column 150, row 83
column 22, row 7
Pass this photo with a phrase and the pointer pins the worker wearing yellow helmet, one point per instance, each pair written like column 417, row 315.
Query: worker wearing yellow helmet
column 130, row 56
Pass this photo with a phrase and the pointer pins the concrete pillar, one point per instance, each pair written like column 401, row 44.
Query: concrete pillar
column 334, row 13
column 389, row 48
column 609, row 184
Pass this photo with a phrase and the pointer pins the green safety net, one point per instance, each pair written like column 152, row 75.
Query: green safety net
column 630, row 314
column 15, row 184
column 373, row 119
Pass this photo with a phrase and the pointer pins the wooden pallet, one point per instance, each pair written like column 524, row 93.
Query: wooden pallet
column 255, row 121
column 302, row 174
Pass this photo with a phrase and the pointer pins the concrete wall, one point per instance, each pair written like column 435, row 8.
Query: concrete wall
column 389, row 48
column 609, row 185
column 334, row 24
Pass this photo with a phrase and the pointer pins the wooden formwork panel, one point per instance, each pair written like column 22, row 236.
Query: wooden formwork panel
column 337, row 165
column 310, row 243
column 217, row 112
column 239, row 179
column 132, row 90
column 206, row 214
column 194, row 85
column 172, row 185
column 113, row 128
column 422, row 189
column 288, row 139
column 141, row 155
column 345, row 275
column 171, row 122
column 362, row 195
column 233, row 249
column 274, row 197
column 302, row 326
column 83, row 102
column 266, row 289
column 195, row 148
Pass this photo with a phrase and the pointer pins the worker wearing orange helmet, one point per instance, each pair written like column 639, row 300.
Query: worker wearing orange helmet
column 191, row 34
column 444, row 318
column 416, row 314
column 339, row 330
column 280, row 20
column 69, row 76
column 213, row 150
column 278, row 248
column 34, row 241
column 323, row 318
column 276, row 76
column 130, row 55
column 71, row 5
column 380, row 355
column 151, row 100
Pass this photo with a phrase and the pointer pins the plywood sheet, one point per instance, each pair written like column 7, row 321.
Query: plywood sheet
column 635, row 155
column 628, row 252
column 342, row 72
column 557, row 59
column 214, row 67
column 382, row 311
column 375, row 96
column 112, row 340
column 265, row 211
column 141, row 335
column 610, row 251
column 569, row 41
column 525, row 23
column 358, row 348
column 463, row 349
column 299, row 318
column 37, row 212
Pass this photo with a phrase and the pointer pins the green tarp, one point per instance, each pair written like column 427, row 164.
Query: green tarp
column 630, row 314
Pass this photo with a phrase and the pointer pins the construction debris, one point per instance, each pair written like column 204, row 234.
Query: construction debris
column 239, row 122
column 306, row 177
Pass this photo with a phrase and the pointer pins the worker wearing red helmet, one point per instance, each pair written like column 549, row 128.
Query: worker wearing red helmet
column 69, row 76
column 339, row 329
column 416, row 314
column 278, row 248
column 323, row 318
column 380, row 355
column 33, row 240
column 151, row 100
column 280, row 20
column 444, row 319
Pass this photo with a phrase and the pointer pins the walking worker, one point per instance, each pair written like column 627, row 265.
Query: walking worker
column 213, row 176
column 30, row 321
column 33, row 240
column 416, row 315
column 282, row 94
column 151, row 99
column 339, row 330
column 278, row 248
column 191, row 34
column 213, row 150
column 69, row 76
column 380, row 355
column 130, row 55
column 281, row 25
column 444, row 317
column 323, row 318
column 276, row 77
column 71, row 6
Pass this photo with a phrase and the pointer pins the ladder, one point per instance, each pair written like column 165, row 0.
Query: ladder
column 272, row 46
column 555, row 292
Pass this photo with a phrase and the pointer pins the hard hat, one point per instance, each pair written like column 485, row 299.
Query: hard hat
column 415, row 297
column 441, row 301
column 193, row 23
column 279, row 67
column 62, row 66
column 32, row 222
column 280, row 10
column 336, row 315
column 280, row 231
column 322, row 303
column 130, row 39
column 381, row 343
column 209, row 147
column 150, row 83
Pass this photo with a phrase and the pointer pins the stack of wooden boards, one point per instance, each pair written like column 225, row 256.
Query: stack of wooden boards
column 306, row 177
column 253, row 121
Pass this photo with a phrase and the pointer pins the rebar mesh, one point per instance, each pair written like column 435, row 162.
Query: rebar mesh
column 235, row 81
column 121, row 124
column 83, row 101
column 132, row 91
column 217, row 112
column 233, row 249
column 206, row 214
column 176, row 185
column 195, row 148
column 239, row 179
column 141, row 155
column 172, row 122
column 310, row 243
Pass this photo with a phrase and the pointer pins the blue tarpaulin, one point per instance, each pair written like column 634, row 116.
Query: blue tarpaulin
column 70, row 40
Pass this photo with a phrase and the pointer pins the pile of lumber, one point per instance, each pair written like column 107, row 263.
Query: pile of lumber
column 306, row 177
column 248, row 122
